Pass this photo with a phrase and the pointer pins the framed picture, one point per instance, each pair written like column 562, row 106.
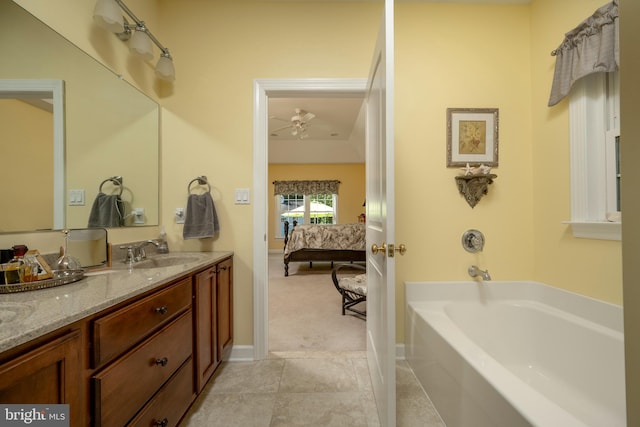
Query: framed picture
column 44, row 271
column 472, row 136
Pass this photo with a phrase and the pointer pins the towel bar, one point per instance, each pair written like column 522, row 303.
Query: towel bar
column 202, row 180
column 116, row 180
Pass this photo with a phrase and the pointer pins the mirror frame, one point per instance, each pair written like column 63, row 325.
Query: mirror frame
column 54, row 90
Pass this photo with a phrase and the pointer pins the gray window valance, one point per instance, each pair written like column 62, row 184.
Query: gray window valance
column 591, row 47
column 306, row 187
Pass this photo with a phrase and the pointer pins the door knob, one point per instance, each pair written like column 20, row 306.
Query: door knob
column 375, row 248
column 401, row 249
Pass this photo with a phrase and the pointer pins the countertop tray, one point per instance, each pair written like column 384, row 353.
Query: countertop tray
column 60, row 277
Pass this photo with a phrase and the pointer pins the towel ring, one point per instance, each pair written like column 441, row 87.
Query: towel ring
column 202, row 180
column 117, row 180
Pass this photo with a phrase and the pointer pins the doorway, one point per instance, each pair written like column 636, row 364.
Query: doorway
column 263, row 91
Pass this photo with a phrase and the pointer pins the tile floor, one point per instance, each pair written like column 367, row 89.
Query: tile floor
column 305, row 389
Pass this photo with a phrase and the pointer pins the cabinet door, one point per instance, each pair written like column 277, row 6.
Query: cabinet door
column 204, row 312
column 48, row 374
column 224, row 280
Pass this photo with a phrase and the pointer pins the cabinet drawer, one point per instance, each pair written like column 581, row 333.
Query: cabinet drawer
column 125, row 386
column 117, row 332
column 172, row 401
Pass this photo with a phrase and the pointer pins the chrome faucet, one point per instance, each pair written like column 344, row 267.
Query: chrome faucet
column 138, row 251
column 475, row 271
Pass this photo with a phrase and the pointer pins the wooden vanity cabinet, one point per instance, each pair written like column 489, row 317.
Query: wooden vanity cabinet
column 213, row 318
column 48, row 373
column 141, row 362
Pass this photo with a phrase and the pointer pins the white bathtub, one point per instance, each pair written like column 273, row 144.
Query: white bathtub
column 516, row 354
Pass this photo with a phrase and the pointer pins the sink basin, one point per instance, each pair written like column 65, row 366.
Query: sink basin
column 11, row 311
column 160, row 261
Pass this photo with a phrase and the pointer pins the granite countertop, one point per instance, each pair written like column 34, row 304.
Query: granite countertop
column 28, row 315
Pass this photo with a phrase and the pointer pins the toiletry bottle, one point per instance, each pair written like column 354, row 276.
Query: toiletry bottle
column 31, row 269
column 6, row 255
column 163, row 247
column 14, row 269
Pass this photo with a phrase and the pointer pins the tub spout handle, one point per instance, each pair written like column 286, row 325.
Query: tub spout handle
column 475, row 271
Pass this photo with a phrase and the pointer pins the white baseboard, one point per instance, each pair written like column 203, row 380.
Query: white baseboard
column 241, row 353
column 244, row 353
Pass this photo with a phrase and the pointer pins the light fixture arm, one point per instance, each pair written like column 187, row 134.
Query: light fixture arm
column 140, row 26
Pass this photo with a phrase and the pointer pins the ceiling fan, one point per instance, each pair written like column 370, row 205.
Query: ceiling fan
column 298, row 123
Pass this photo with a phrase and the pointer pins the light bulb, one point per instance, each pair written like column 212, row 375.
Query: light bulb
column 165, row 69
column 107, row 14
column 140, row 44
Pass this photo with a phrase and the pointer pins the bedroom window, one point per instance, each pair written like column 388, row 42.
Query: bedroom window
column 310, row 209
column 594, row 107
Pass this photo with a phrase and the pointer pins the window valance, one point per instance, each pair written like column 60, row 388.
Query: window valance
column 306, row 187
column 591, row 47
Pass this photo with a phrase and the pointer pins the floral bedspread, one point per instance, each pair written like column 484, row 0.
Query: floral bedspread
column 326, row 236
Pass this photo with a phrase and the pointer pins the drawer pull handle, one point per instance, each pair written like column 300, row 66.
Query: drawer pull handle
column 162, row 310
column 162, row 362
column 162, row 423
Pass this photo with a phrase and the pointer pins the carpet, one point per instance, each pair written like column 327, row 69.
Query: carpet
column 305, row 311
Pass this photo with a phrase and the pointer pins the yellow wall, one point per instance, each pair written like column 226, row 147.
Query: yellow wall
column 351, row 191
column 220, row 48
column 447, row 55
column 461, row 56
column 27, row 131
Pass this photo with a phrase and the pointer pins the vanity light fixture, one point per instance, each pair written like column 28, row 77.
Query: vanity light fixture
column 107, row 14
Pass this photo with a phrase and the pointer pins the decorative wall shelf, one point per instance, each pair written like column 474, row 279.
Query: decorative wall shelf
column 473, row 187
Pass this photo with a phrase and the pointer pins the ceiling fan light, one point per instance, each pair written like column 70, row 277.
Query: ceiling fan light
column 107, row 14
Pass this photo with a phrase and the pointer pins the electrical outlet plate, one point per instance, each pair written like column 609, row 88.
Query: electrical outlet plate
column 179, row 215
column 138, row 215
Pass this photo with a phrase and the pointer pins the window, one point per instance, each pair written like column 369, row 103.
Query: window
column 311, row 209
column 594, row 108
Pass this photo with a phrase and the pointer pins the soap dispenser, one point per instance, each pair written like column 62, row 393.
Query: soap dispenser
column 163, row 247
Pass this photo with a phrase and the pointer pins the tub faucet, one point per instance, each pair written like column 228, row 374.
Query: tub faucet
column 475, row 271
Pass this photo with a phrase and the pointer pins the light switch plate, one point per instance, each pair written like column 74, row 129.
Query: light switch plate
column 242, row 196
column 76, row 197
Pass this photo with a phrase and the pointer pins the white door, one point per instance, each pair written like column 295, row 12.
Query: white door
column 381, row 325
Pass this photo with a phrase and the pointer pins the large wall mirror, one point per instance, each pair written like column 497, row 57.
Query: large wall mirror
column 110, row 129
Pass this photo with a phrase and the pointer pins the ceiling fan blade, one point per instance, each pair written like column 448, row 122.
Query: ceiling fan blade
column 282, row 128
column 307, row 117
column 278, row 118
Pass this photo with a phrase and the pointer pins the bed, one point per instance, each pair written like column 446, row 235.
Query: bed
column 323, row 242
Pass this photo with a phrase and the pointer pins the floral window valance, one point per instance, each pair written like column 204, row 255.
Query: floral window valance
column 591, row 47
column 306, row 187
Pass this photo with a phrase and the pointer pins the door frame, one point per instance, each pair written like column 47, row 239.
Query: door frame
column 263, row 89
